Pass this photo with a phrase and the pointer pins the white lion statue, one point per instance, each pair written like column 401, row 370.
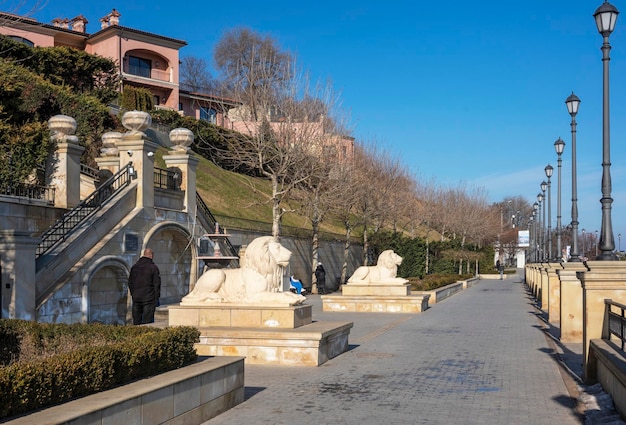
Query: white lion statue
column 258, row 281
column 384, row 272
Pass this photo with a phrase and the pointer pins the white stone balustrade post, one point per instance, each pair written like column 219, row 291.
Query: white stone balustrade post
column 65, row 162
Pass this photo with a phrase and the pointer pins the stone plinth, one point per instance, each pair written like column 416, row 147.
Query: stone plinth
column 284, row 336
column 375, row 304
column 309, row 345
column 571, row 323
column 603, row 280
column 554, row 293
column 355, row 289
column 240, row 316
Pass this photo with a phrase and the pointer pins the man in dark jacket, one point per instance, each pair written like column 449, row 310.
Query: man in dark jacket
column 320, row 277
column 145, row 288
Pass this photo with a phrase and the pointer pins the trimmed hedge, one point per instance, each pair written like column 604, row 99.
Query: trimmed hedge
column 435, row 281
column 121, row 354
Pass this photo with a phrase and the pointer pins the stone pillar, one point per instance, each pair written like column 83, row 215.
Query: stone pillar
column 571, row 323
column 17, row 255
column 603, row 280
column 187, row 164
column 554, row 295
column 180, row 157
column 65, row 164
column 544, row 295
column 110, row 159
column 137, row 148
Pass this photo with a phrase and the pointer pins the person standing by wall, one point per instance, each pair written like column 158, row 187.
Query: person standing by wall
column 320, row 277
column 144, row 283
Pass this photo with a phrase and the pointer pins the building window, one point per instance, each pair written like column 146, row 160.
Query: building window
column 139, row 66
column 208, row 114
column 21, row 40
column 156, row 99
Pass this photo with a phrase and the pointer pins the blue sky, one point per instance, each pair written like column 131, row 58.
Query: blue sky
column 464, row 92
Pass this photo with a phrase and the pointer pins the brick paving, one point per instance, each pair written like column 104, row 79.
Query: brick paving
column 479, row 357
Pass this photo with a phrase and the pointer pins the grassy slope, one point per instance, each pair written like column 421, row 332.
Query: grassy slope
column 234, row 195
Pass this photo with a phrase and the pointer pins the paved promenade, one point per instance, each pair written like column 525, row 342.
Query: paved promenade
column 479, row 357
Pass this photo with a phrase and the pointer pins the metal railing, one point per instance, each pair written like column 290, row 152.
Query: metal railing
column 614, row 321
column 166, row 179
column 208, row 216
column 94, row 202
column 89, row 171
column 29, row 191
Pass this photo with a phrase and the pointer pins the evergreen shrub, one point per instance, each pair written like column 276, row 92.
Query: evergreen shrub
column 47, row 364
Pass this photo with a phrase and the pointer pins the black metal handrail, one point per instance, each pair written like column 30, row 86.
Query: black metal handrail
column 94, row 202
column 614, row 322
column 30, row 191
column 208, row 216
column 166, row 179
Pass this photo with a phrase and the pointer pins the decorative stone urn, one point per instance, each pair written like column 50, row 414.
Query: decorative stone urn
column 109, row 143
column 63, row 128
column 136, row 121
column 181, row 139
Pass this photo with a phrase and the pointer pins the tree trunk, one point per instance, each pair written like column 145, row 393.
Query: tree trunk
column 346, row 255
column 315, row 245
column 366, row 246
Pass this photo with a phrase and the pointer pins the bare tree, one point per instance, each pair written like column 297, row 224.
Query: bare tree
column 195, row 75
column 253, row 69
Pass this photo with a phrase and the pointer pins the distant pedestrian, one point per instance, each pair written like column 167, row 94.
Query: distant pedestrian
column 144, row 283
column 500, row 268
column 320, row 277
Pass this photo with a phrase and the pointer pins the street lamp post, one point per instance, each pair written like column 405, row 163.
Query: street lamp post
column 619, row 246
column 549, row 171
column 606, row 16
column 596, row 242
column 559, row 146
column 539, row 228
column 535, row 242
column 544, row 186
column 583, row 241
column 572, row 103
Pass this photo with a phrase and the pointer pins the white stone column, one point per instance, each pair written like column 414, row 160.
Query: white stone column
column 604, row 280
column 182, row 158
column 65, row 163
column 137, row 148
column 571, row 323
column 110, row 159
column 17, row 255
column 554, row 295
column 187, row 165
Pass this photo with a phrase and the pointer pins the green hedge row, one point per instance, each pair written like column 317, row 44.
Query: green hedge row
column 435, row 281
column 122, row 354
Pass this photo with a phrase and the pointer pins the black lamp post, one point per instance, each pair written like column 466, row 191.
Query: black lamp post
column 583, row 242
column 535, row 238
column 549, row 171
column 559, row 146
column 544, row 186
column 573, row 102
column 606, row 16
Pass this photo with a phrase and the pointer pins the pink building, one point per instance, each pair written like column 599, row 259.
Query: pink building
column 145, row 60
column 149, row 61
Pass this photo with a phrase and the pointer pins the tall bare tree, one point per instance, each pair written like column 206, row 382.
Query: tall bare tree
column 195, row 75
column 253, row 68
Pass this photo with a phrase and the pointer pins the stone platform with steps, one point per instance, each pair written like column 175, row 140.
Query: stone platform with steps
column 375, row 298
column 285, row 336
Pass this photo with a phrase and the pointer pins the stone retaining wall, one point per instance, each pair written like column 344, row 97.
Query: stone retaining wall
column 191, row 395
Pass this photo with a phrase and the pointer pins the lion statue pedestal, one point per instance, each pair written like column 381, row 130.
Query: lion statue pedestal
column 244, row 312
column 377, row 289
